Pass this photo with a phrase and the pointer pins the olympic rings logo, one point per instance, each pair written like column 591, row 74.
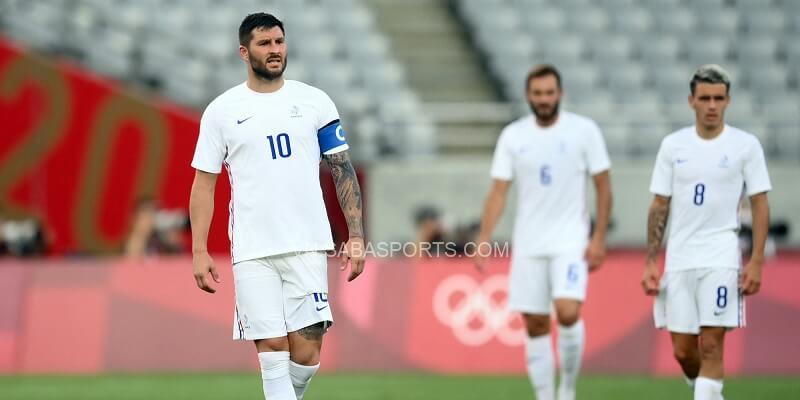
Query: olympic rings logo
column 475, row 312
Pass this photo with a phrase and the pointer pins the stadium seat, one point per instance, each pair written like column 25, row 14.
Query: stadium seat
column 756, row 49
column 783, row 140
column 611, row 48
column 617, row 139
column 625, row 79
column 671, row 81
column 561, row 49
column 725, row 22
column 708, row 50
column 764, row 21
column 632, row 20
column 580, row 80
column 675, row 22
column 546, row 21
column 657, row 49
column 588, row 20
column 767, row 78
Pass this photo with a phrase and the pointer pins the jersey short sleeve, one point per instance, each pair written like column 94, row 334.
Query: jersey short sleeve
column 597, row 158
column 661, row 182
column 330, row 134
column 503, row 160
column 210, row 150
column 756, row 177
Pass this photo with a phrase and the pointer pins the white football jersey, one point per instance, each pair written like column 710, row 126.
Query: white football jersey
column 705, row 180
column 550, row 167
column 271, row 145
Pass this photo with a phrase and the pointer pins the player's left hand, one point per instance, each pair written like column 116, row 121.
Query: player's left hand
column 595, row 254
column 750, row 282
column 354, row 252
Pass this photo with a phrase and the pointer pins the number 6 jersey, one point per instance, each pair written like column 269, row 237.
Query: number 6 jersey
column 271, row 145
column 705, row 180
column 550, row 167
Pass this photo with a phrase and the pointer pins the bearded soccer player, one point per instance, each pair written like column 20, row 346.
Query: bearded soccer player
column 700, row 176
column 271, row 134
column 550, row 154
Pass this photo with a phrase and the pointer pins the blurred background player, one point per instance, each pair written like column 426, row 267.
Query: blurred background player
column 271, row 134
column 700, row 175
column 156, row 231
column 550, row 154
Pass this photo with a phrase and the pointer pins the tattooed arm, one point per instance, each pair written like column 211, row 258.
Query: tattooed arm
column 349, row 194
column 656, row 226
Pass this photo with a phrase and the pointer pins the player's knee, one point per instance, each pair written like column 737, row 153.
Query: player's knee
column 537, row 325
column 568, row 318
column 306, row 356
column 685, row 356
column 711, row 348
column 568, row 311
column 306, row 351
column 272, row 344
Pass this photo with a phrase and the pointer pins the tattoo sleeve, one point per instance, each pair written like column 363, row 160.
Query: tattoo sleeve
column 313, row 332
column 347, row 189
column 656, row 225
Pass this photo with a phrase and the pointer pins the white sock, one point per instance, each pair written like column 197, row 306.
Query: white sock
column 275, row 375
column 570, row 352
column 707, row 389
column 541, row 366
column 301, row 376
column 689, row 381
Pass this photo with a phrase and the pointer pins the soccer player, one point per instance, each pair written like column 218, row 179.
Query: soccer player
column 700, row 175
column 550, row 155
column 271, row 134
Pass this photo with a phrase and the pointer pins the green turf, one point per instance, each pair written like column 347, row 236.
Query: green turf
column 370, row 386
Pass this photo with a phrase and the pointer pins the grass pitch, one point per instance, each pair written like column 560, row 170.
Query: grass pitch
column 371, row 386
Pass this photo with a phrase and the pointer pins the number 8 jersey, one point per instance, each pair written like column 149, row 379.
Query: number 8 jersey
column 271, row 145
column 706, row 180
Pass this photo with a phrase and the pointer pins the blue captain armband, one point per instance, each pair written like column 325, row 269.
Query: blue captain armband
column 331, row 138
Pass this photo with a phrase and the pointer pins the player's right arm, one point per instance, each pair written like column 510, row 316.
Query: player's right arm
column 492, row 211
column 661, row 187
column 502, row 174
column 201, row 209
column 656, row 226
column 207, row 162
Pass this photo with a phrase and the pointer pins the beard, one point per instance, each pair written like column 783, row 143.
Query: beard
column 260, row 69
column 545, row 115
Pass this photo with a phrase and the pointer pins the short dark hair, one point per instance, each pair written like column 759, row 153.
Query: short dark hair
column 710, row 73
column 257, row 20
column 543, row 70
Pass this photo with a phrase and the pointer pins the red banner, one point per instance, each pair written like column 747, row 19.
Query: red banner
column 77, row 151
column 438, row 315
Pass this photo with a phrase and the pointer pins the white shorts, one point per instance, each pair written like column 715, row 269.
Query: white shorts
column 280, row 294
column 535, row 281
column 693, row 298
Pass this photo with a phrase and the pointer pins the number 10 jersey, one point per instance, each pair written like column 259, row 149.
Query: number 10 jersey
column 271, row 145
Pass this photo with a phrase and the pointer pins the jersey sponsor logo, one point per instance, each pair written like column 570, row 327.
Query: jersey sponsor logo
column 294, row 112
column 680, row 160
column 723, row 163
column 476, row 312
column 241, row 121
